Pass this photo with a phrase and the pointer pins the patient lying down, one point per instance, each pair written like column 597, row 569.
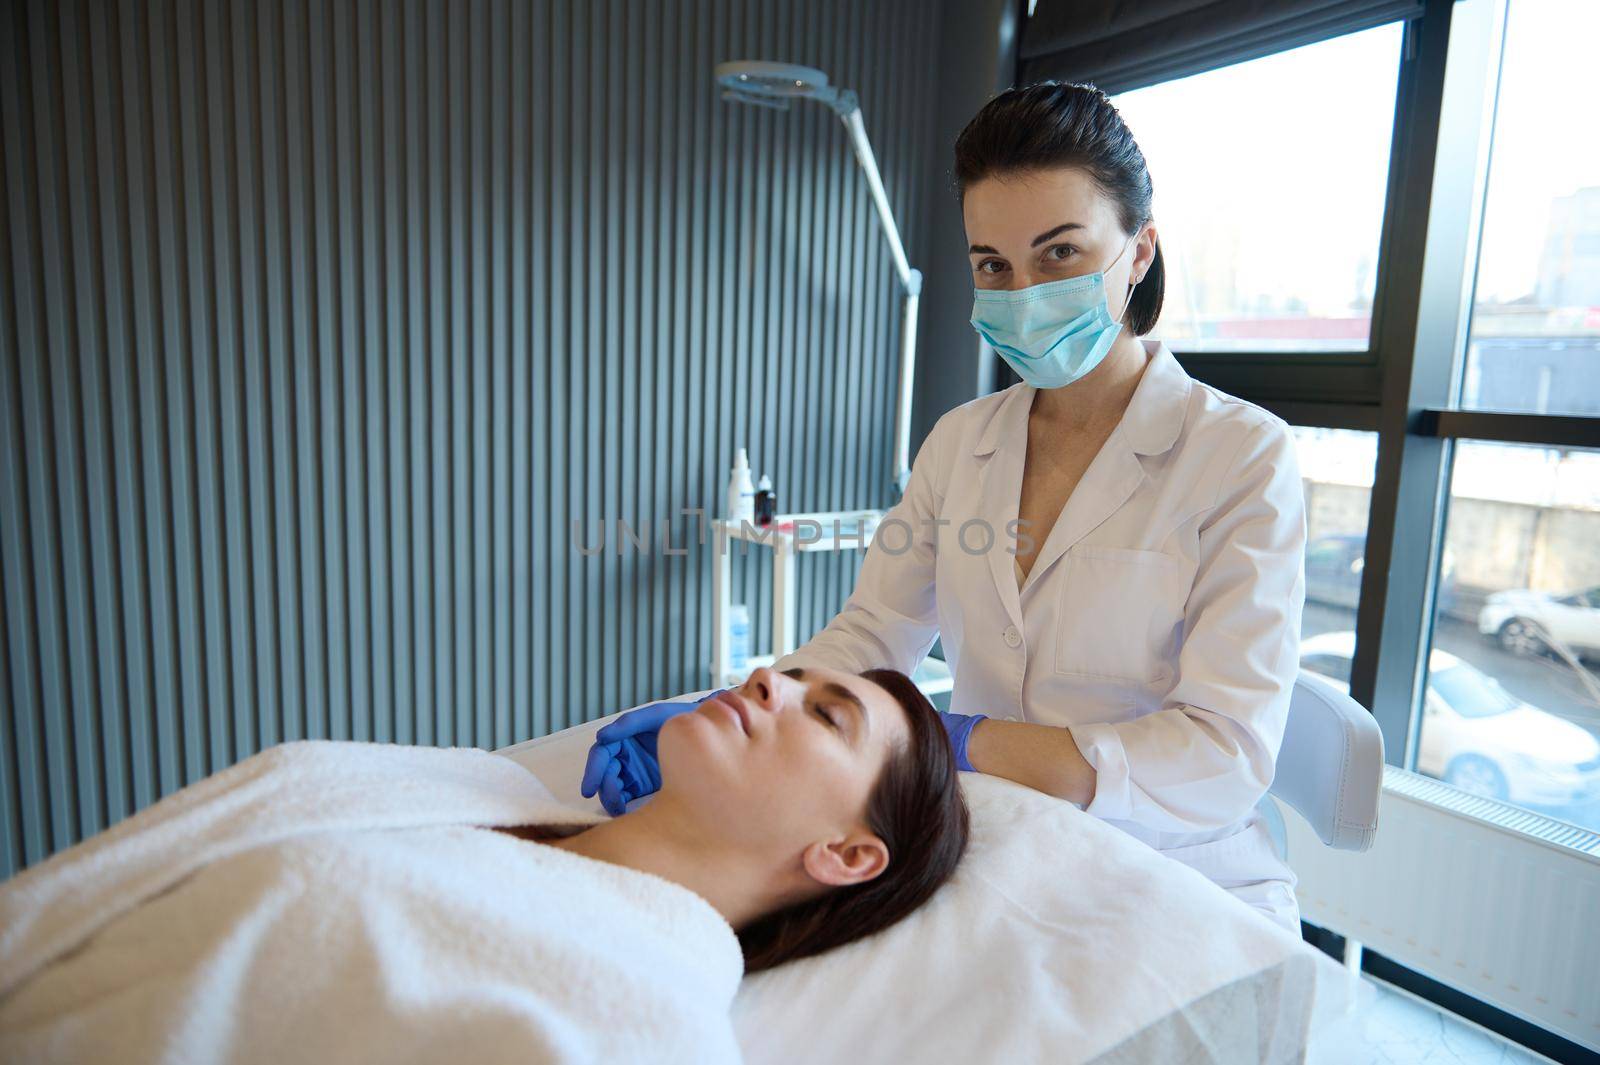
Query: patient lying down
column 356, row 902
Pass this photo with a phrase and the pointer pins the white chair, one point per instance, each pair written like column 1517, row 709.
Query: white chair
column 1330, row 767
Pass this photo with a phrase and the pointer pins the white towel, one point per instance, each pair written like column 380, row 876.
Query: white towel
column 345, row 902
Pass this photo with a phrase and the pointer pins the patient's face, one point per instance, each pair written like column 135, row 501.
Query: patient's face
column 785, row 759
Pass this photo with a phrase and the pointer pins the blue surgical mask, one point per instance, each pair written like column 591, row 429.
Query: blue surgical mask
column 1051, row 334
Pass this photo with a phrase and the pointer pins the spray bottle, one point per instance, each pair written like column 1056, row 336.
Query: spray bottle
column 741, row 492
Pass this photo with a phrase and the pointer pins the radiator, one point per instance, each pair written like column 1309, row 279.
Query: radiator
column 1488, row 898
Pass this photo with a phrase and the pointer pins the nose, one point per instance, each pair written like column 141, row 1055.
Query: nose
column 1024, row 278
column 766, row 688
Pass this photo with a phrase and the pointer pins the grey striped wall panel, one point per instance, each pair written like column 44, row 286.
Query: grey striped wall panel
column 322, row 324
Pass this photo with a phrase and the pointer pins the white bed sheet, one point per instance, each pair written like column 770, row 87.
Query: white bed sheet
column 1060, row 939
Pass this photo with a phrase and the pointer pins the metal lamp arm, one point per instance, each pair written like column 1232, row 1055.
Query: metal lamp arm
column 869, row 166
column 910, row 281
column 774, row 85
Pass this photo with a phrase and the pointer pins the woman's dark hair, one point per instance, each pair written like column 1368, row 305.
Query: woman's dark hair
column 1051, row 125
column 916, row 808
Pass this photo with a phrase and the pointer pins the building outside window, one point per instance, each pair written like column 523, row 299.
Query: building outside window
column 1535, row 342
column 1258, row 256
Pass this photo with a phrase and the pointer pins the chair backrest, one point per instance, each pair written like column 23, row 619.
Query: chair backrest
column 1330, row 768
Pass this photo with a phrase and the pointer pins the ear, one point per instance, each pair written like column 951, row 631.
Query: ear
column 854, row 859
column 1144, row 253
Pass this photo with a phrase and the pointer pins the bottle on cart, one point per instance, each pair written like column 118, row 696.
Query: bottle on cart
column 766, row 502
column 741, row 492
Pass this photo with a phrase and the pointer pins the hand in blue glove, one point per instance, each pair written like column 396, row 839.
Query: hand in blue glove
column 622, row 763
column 959, row 728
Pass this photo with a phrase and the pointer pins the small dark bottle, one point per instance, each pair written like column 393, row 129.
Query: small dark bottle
column 766, row 502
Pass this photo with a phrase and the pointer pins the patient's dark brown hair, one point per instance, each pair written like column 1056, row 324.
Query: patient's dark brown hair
column 916, row 808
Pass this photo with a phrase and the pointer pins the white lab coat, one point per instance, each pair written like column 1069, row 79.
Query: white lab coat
column 1160, row 622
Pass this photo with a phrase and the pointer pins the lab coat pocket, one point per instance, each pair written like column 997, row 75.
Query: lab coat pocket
column 1120, row 613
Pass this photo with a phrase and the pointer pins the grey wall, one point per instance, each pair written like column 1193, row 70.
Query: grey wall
column 977, row 60
column 320, row 323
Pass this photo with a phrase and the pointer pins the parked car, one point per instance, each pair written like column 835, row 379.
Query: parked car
column 1334, row 565
column 1479, row 737
column 1333, row 569
column 1524, row 621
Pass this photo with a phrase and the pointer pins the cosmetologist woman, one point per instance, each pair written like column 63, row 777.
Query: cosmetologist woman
column 1135, row 654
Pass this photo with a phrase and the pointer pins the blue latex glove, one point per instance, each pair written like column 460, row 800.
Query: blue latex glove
column 622, row 763
column 959, row 728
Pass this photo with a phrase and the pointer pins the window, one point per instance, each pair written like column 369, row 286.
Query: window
column 1336, row 467
column 1535, row 336
column 1333, row 666
column 1513, row 693
column 1269, row 194
column 1473, row 513
column 1469, row 692
column 1270, row 200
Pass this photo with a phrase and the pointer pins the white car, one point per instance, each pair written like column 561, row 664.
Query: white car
column 1479, row 737
column 1521, row 620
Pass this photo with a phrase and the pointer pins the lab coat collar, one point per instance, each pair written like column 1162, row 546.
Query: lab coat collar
column 1000, row 489
column 1150, row 425
column 1012, row 411
column 1156, row 413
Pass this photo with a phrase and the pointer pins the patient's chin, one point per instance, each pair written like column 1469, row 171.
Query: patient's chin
column 693, row 746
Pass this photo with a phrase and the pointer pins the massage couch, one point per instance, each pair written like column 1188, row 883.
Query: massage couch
column 1059, row 939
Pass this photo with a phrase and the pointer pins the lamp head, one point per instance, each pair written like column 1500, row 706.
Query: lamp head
column 766, row 84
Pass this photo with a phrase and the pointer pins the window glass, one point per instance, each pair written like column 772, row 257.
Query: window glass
column 1334, row 667
column 1513, row 707
column 1336, row 467
column 1269, row 193
column 1469, row 692
column 1534, row 344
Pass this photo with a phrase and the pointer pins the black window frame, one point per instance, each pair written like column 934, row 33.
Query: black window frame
column 1403, row 386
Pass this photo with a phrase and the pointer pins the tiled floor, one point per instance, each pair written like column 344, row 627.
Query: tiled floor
column 1390, row 1027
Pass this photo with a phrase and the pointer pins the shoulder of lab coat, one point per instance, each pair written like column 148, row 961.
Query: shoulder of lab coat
column 1204, row 759
column 890, row 620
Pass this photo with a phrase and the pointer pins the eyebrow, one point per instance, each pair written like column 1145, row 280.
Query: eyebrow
column 984, row 249
column 842, row 694
column 1042, row 237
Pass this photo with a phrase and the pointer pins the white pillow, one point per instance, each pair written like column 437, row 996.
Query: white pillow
column 1058, row 938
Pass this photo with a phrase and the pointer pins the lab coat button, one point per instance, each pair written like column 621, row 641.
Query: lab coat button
column 1013, row 637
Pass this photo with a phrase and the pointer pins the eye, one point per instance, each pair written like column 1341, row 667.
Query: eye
column 826, row 715
column 1060, row 252
column 998, row 264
